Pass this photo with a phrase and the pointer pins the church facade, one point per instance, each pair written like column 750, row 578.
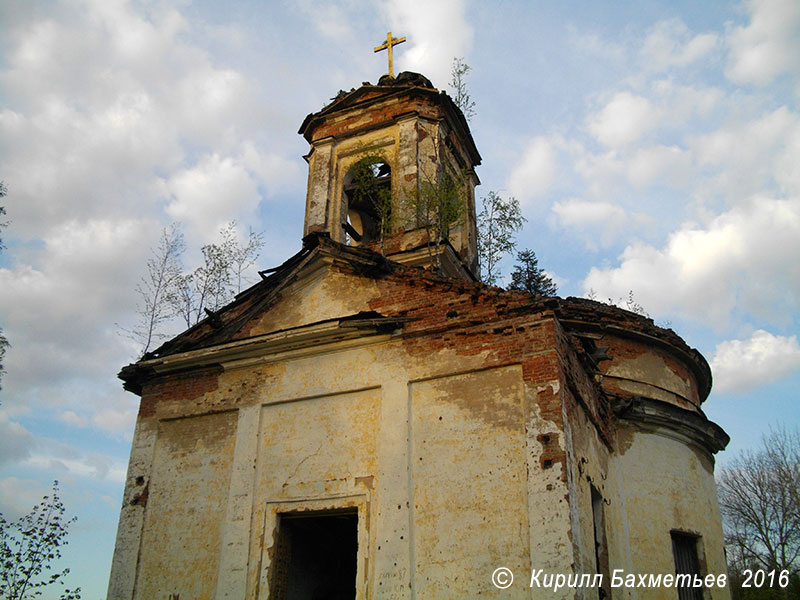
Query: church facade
column 358, row 426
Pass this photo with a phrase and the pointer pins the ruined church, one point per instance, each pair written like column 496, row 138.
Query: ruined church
column 371, row 421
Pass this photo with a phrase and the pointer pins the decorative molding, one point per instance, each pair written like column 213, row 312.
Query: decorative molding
column 685, row 425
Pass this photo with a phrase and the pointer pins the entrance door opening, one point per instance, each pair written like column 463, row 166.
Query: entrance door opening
column 687, row 562
column 315, row 557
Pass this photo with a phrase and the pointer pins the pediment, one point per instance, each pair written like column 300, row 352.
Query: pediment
column 320, row 295
column 325, row 281
column 320, row 292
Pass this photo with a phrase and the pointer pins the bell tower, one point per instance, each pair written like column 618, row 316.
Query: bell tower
column 391, row 167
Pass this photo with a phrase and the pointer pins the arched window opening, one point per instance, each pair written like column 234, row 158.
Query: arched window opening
column 368, row 192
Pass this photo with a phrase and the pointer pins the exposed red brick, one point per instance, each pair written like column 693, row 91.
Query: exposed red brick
column 183, row 386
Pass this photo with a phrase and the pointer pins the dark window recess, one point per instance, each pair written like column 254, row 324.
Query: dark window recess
column 684, row 549
column 367, row 189
column 315, row 556
column 600, row 543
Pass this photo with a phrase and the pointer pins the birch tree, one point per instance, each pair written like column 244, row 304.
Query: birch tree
column 458, row 84
column 168, row 293
column 157, row 286
column 438, row 204
column 498, row 221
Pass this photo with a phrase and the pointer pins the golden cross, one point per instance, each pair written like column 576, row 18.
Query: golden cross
column 387, row 45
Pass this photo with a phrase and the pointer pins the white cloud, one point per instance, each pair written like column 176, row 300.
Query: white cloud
column 768, row 46
column 19, row 496
column 671, row 44
column 595, row 46
column 645, row 140
column 625, row 119
column 94, row 466
column 557, row 279
column 744, row 260
column 602, row 173
column 535, row 172
column 750, row 156
column 69, row 165
column 718, row 151
column 679, row 103
column 436, row 33
column 54, row 459
column 82, row 273
column 211, row 193
column 669, row 165
column 111, row 113
column 645, row 143
column 103, row 103
column 274, row 171
column 741, row 365
column 70, row 417
column 16, row 442
column 598, row 222
column 329, row 19
column 60, row 315
column 215, row 106
column 112, row 412
column 580, row 212
column 116, row 420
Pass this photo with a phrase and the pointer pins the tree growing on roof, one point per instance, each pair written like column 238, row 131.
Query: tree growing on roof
column 458, row 84
column 529, row 277
column 166, row 291
column 155, row 287
column 214, row 283
column 498, row 221
column 438, row 202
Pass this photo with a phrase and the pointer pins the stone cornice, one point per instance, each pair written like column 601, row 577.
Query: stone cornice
column 315, row 338
column 684, row 425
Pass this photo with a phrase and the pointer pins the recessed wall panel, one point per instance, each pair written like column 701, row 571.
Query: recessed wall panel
column 186, row 501
column 468, row 474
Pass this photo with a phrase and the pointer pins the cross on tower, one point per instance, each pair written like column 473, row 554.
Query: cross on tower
column 387, row 45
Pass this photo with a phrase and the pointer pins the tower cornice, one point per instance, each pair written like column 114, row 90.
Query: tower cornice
column 369, row 95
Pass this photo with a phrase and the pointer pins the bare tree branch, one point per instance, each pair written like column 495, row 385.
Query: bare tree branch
column 758, row 496
column 156, row 286
column 214, row 283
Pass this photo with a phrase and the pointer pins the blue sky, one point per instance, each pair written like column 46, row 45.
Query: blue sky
column 653, row 146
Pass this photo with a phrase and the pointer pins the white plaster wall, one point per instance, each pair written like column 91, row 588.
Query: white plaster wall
column 181, row 539
column 468, row 474
column 662, row 484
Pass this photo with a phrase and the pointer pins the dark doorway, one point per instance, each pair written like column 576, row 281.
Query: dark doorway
column 315, row 558
column 600, row 542
column 684, row 550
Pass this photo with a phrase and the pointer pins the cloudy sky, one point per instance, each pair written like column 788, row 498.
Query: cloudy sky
column 653, row 146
